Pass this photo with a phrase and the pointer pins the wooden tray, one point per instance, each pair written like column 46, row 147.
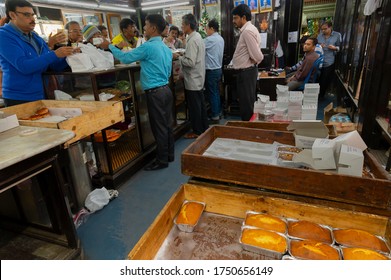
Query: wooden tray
column 96, row 116
column 311, row 183
column 234, row 202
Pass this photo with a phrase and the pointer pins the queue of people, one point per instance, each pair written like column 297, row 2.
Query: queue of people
column 24, row 56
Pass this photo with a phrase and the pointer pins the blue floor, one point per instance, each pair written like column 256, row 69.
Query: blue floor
column 111, row 233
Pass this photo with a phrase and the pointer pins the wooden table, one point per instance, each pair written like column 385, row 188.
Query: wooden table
column 267, row 84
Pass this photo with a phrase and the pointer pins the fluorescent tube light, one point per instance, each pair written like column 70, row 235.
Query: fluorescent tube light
column 156, row 2
column 86, row 5
column 116, row 8
column 164, row 6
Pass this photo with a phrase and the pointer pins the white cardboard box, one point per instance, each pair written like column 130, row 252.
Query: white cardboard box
column 306, row 132
column 323, row 154
column 351, row 161
column 352, row 138
column 8, row 122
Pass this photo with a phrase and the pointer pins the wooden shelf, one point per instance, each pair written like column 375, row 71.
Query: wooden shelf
column 347, row 89
column 382, row 122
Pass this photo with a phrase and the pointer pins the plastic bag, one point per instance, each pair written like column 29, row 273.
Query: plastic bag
column 97, row 199
column 100, row 59
column 80, row 62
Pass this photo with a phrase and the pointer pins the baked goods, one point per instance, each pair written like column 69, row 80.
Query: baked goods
column 285, row 156
column 190, row 213
column 359, row 238
column 361, row 254
column 39, row 114
column 264, row 239
column 42, row 111
column 110, row 136
column 313, row 250
column 290, row 149
column 309, row 230
column 265, row 221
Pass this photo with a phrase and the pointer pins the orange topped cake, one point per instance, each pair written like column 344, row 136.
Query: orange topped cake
column 190, row 213
column 361, row 254
column 313, row 250
column 359, row 238
column 265, row 221
column 264, row 239
column 309, row 230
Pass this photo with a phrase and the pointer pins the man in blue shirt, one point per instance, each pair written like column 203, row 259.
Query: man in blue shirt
column 330, row 41
column 156, row 63
column 214, row 50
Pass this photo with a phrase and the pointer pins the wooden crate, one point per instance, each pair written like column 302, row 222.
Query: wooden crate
column 96, row 115
column 280, row 126
column 311, row 183
column 234, row 202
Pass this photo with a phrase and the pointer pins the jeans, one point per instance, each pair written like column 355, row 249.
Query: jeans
column 212, row 82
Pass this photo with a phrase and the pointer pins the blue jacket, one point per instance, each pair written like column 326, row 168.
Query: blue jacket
column 22, row 66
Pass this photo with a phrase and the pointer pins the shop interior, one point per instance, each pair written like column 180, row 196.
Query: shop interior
column 42, row 221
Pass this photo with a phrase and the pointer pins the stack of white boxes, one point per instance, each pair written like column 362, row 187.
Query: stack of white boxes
column 310, row 102
column 295, row 105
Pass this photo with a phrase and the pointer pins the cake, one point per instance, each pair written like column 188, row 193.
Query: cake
column 313, row 250
column 190, row 213
column 361, row 254
column 359, row 238
column 265, row 221
column 309, row 230
column 264, row 239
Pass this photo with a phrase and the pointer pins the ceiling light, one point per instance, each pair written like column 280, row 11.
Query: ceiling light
column 164, row 6
column 87, row 5
column 156, row 2
column 116, row 8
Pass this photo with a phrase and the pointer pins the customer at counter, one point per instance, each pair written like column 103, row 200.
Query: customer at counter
column 126, row 39
column 24, row 56
column 156, row 63
column 246, row 57
column 193, row 67
column 93, row 36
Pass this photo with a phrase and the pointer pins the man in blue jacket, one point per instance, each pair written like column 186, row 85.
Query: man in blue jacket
column 24, row 56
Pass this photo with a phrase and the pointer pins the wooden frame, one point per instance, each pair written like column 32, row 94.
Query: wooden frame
column 109, row 16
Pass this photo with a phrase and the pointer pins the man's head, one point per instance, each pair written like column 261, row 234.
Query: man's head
column 90, row 32
column 174, row 31
column 21, row 13
column 241, row 15
column 309, row 45
column 189, row 23
column 166, row 29
column 103, row 31
column 212, row 27
column 154, row 25
column 127, row 28
column 75, row 35
column 326, row 27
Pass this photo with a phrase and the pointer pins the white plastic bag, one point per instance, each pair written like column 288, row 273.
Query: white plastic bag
column 97, row 199
column 80, row 62
column 100, row 59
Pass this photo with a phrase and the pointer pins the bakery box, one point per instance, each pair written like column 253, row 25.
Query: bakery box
column 96, row 115
column 218, row 232
column 374, row 189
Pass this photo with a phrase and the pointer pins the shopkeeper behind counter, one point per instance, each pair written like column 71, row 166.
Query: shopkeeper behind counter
column 24, row 56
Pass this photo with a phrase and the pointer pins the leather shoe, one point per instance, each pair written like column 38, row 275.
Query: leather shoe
column 155, row 165
column 190, row 135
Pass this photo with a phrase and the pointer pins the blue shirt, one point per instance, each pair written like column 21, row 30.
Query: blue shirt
column 329, row 55
column 214, row 50
column 155, row 60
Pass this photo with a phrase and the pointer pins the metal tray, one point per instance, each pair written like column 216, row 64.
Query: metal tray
column 255, row 213
column 298, row 258
column 264, row 252
column 381, row 253
column 330, row 229
column 186, row 227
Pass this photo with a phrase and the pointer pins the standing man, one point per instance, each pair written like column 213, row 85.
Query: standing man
column 126, row 39
column 245, row 60
column 330, row 41
column 24, row 56
column 172, row 41
column 193, row 67
column 156, row 63
column 214, row 50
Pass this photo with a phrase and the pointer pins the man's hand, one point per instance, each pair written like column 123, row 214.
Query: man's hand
column 123, row 44
column 176, row 55
column 66, row 51
column 333, row 48
column 56, row 38
column 104, row 45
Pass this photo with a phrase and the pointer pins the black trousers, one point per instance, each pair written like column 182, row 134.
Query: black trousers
column 12, row 102
column 160, row 111
column 246, row 84
column 327, row 78
column 197, row 110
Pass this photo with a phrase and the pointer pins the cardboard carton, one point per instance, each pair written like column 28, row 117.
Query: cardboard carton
column 306, row 132
column 8, row 121
column 323, row 154
column 351, row 161
column 352, row 138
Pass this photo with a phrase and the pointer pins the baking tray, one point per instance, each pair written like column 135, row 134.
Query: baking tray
column 381, row 253
column 330, row 229
column 298, row 258
column 186, row 227
column 256, row 213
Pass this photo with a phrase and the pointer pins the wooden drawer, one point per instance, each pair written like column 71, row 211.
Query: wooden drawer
column 374, row 192
column 96, row 116
column 234, row 202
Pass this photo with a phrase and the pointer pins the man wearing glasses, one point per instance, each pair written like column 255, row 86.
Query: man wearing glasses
column 24, row 56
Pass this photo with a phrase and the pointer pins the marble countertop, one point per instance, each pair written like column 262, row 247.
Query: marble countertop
column 23, row 142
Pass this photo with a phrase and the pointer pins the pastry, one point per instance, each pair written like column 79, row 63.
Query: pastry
column 359, row 238
column 309, row 230
column 290, row 149
column 361, row 254
column 190, row 213
column 313, row 250
column 39, row 114
column 285, row 156
column 265, row 221
column 264, row 239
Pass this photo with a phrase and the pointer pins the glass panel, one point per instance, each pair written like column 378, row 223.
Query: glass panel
column 92, row 19
column 73, row 17
column 114, row 21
